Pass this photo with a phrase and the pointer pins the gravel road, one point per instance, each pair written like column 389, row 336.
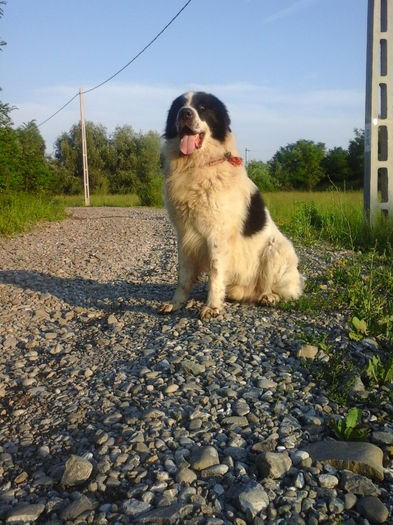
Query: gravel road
column 111, row 413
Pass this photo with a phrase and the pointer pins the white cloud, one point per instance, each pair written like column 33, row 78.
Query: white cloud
column 288, row 11
column 263, row 118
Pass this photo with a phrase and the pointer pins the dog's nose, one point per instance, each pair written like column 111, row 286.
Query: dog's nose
column 185, row 113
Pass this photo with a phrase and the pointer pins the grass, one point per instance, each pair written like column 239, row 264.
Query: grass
column 20, row 211
column 360, row 286
column 119, row 200
column 333, row 216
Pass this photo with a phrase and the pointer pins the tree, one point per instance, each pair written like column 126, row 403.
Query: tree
column 122, row 158
column 356, row 158
column 68, row 152
column 259, row 173
column 126, row 162
column 149, row 176
column 299, row 165
column 336, row 166
column 9, row 150
column 33, row 169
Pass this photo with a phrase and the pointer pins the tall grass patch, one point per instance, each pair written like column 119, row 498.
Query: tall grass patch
column 21, row 211
column 333, row 216
column 125, row 200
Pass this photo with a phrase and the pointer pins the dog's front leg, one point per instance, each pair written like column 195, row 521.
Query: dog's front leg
column 217, row 273
column 186, row 278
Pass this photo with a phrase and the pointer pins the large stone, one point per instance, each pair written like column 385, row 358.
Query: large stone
column 25, row 513
column 358, row 485
column 164, row 515
column 77, row 507
column 308, row 352
column 382, row 438
column 214, row 471
column 361, row 458
column 192, row 367
column 273, row 465
column 133, row 507
column 235, row 421
column 203, row 457
column 373, row 509
column 77, row 471
column 186, row 475
column 250, row 498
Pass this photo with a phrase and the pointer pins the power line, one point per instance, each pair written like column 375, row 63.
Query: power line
column 124, row 67
column 58, row 111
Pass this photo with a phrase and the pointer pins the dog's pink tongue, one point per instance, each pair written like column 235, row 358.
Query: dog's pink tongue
column 188, row 143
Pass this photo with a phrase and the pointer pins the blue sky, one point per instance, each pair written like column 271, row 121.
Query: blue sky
column 286, row 69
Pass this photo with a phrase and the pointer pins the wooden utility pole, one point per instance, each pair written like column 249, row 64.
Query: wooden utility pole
column 84, row 152
column 246, row 156
column 378, row 143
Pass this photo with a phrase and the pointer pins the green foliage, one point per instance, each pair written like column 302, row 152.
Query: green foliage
column 356, row 159
column 259, row 173
column 23, row 165
column 359, row 329
column 123, row 200
column 316, row 340
column 20, row 211
column 336, row 167
column 299, row 165
column 126, row 162
column 333, row 216
column 350, row 428
column 378, row 372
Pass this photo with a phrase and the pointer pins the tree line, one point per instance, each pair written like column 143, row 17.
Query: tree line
column 123, row 162
column 307, row 165
column 129, row 162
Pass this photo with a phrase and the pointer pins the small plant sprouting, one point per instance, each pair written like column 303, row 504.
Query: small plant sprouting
column 359, row 329
column 318, row 341
column 378, row 372
column 350, row 428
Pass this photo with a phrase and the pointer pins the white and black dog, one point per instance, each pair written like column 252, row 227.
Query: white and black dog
column 223, row 226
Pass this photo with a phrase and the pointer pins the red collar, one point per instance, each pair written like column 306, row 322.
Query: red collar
column 235, row 161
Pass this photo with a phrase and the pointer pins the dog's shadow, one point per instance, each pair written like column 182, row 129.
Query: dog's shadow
column 87, row 293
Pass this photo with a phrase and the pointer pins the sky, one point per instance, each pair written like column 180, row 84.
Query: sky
column 285, row 69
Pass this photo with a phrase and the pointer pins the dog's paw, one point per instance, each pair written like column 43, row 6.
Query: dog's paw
column 165, row 308
column 269, row 299
column 208, row 312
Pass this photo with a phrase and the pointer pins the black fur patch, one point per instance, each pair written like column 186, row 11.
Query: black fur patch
column 171, row 130
column 213, row 112
column 256, row 216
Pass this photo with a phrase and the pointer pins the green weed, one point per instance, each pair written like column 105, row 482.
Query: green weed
column 359, row 330
column 316, row 340
column 350, row 428
column 378, row 372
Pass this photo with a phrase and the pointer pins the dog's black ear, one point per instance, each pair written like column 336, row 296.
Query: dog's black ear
column 222, row 125
column 171, row 129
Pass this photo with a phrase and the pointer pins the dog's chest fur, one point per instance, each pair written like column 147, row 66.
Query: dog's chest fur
column 207, row 200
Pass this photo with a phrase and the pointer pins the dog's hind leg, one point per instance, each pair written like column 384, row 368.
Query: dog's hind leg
column 270, row 260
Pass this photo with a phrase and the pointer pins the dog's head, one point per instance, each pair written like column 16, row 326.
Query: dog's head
column 194, row 118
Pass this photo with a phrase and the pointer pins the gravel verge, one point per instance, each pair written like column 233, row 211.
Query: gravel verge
column 111, row 413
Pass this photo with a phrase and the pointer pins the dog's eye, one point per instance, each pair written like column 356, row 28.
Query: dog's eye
column 201, row 107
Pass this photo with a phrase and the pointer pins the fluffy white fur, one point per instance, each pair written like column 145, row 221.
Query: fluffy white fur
column 208, row 205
